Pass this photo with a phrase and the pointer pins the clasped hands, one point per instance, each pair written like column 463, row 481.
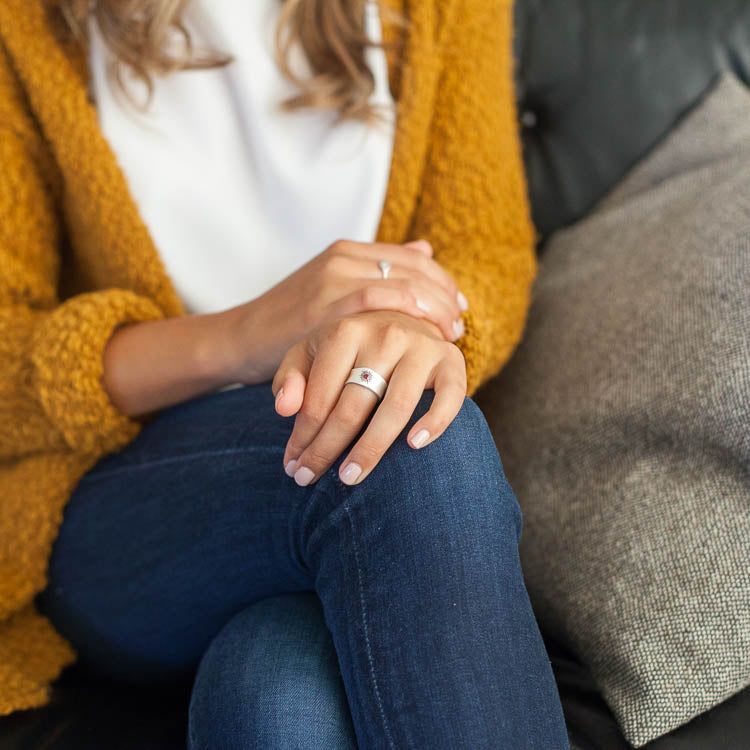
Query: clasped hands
column 403, row 327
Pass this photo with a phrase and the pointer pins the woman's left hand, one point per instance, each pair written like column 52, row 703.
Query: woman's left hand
column 410, row 353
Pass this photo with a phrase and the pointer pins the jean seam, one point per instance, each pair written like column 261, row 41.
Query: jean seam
column 172, row 459
column 368, row 647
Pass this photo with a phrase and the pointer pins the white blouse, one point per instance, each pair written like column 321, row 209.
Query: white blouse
column 236, row 193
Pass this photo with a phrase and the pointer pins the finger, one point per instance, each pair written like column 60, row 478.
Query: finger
column 422, row 245
column 365, row 268
column 330, row 367
column 405, row 389
column 405, row 256
column 288, row 384
column 354, row 406
column 450, row 391
column 403, row 295
column 409, row 274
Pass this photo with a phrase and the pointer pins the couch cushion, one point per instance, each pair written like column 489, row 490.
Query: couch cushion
column 602, row 81
column 622, row 422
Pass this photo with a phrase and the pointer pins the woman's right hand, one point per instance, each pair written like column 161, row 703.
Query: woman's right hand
column 342, row 280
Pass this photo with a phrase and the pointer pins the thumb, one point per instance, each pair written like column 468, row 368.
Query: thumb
column 422, row 245
column 289, row 382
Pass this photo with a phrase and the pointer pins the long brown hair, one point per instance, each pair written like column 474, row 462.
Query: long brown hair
column 330, row 32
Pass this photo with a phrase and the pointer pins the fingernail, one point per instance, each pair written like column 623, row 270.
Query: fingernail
column 463, row 303
column 423, row 305
column 279, row 395
column 458, row 328
column 420, row 438
column 289, row 468
column 350, row 472
column 303, row 476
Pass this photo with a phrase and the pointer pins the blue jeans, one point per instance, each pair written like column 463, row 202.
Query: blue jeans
column 389, row 614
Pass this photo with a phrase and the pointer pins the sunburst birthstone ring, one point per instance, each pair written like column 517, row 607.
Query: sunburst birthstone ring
column 385, row 266
column 369, row 379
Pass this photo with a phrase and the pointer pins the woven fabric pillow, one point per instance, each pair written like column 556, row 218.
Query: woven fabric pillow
column 623, row 424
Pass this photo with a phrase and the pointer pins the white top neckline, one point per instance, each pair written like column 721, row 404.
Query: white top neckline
column 236, row 193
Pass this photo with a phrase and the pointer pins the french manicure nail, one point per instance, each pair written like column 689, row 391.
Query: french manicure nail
column 423, row 305
column 350, row 472
column 457, row 328
column 303, row 476
column 279, row 395
column 463, row 303
column 289, row 468
column 420, row 438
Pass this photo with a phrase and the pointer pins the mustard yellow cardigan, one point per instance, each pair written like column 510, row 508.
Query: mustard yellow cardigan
column 76, row 261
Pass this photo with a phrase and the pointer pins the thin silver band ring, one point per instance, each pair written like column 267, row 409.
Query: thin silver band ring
column 385, row 267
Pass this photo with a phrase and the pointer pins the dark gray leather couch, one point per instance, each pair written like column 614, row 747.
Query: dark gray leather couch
column 599, row 83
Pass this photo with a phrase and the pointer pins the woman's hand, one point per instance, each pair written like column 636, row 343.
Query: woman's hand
column 342, row 280
column 410, row 354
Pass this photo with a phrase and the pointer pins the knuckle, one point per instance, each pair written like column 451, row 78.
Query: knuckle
column 392, row 336
column 421, row 263
column 337, row 246
column 369, row 297
column 294, row 447
column 348, row 414
column 334, row 262
column 368, row 452
column 339, row 251
column 455, row 391
column 313, row 457
column 341, row 328
column 456, row 356
column 401, row 403
column 312, row 412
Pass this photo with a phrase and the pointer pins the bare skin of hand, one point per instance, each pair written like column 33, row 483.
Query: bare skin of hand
column 344, row 280
column 157, row 363
column 411, row 354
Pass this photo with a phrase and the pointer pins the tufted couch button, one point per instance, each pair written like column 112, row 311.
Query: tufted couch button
column 529, row 119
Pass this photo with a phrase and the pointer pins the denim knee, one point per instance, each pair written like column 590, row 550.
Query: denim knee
column 270, row 678
column 456, row 479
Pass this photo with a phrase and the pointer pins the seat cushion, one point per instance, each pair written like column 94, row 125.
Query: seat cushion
column 91, row 714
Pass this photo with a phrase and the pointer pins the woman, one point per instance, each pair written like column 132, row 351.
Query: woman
column 235, row 446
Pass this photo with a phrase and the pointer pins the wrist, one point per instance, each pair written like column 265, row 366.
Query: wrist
column 236, row 350
column 215, row 349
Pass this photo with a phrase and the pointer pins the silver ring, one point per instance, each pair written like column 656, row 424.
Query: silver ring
column 369, row 379
column 385, row 266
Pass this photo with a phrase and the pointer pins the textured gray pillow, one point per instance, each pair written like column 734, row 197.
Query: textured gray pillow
column 623, row 423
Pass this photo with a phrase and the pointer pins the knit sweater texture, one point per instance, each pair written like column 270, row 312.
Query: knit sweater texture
column 76, row 261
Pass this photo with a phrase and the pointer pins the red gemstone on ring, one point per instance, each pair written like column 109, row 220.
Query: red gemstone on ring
column 364, row 375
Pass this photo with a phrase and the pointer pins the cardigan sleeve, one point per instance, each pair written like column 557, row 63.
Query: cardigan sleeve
column 474, row 207
column 51, row 390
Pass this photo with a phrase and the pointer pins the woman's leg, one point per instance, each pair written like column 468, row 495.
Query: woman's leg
column 416, row 567
column 418, row 571
column 270, row 679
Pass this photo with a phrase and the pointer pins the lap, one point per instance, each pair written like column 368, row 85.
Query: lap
column 162, row 543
